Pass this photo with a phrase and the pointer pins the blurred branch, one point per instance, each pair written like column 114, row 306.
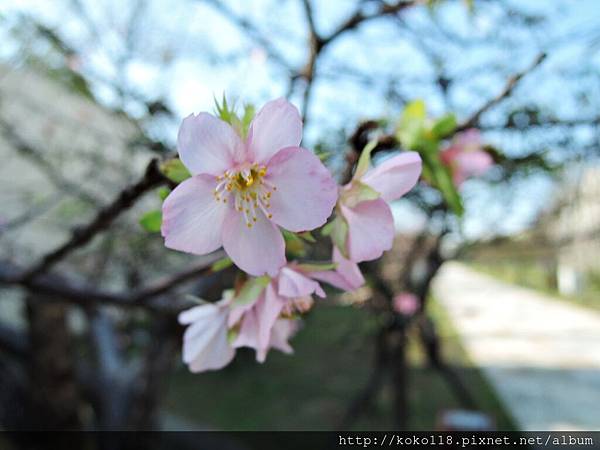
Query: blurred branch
column 67, row 290
column 506, row 92
column 105, row 216
column 36, row 157
column 384, row 9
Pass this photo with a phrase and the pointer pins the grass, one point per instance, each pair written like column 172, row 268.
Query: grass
column 311, row 389
column 530, row 275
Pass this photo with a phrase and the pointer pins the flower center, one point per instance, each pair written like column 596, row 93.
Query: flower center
column 249, row 189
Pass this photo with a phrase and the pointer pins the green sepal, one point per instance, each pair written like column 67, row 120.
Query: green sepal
column 358, row 192
column 151, row 221
column 232, row 334
column 307, row 236
column 221, row 264
column 339, row 234
column 364, row 162
column 317, row 267
column 327, row 228
column 251, row 290
column 293, row 243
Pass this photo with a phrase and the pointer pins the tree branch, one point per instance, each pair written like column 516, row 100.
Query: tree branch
column 64, row 289
column 506, row 92
column 104, row 217
column 359, row 17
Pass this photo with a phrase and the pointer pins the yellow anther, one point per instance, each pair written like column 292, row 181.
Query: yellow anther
column 249, row 225
column 270, row 216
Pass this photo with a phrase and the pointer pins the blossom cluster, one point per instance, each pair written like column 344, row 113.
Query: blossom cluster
column 245, row 191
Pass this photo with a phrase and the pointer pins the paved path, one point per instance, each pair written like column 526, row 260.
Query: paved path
column 541, row 354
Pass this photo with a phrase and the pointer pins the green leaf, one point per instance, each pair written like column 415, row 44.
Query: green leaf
column 359, row 192
column 339, row 234
column 364, row 162
column 151, row 221
column 411, row 127
column 163, row 193
column 251, row 290
column 317, row 267
column 444, row 126
column 221, row 264
column 174, row 170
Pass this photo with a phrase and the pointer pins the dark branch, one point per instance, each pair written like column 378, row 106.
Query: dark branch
column 63, row 289
column 505, row 93
column 105, row 216
column 48, row 169
column 359, row 17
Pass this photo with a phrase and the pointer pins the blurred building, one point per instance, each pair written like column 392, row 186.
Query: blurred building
column 64, row 156
column 560, row 251
column 573, row 228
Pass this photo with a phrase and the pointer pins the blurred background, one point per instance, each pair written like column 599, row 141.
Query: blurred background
column 505, row 331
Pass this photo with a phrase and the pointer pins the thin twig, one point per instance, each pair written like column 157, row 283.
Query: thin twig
column 505, row 93
column 359, row 17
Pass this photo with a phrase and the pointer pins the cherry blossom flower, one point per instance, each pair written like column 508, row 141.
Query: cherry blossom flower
column 347, row 275
column 365, row 226
column 264, row 320
column 205, row 343
column 242, row 190
column 259, row 322
column 465, row 156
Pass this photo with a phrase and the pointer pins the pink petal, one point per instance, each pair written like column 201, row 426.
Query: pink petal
column 396, row 176
column 370, row 229
column 268, row 310
column 248, row 334
column 205, row 344
column 208, row 145
column 306, row 192
column 282, row 331
column 192, row 218
column 257, row 250
column 347, row 275
column 449, row 154
column 474, row 163
column 277, row 125
column 348, row 269
column 258, row 321
column 293, row 284
column 469, row 140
